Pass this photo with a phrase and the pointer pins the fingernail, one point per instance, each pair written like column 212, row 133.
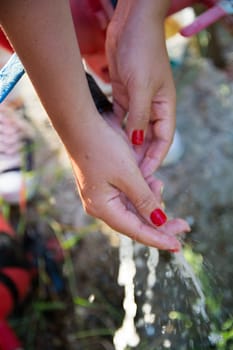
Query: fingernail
column 158, row 217
column 137, row 137
column 175, row 250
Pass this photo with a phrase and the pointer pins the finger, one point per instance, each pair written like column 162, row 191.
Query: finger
column 141, row 196
column 175, row 226
column 139, row 114
column 154, row 156
column 120, row 100
column 156, row 187
column 119, row 111
column 163, row 132
column 124, row 221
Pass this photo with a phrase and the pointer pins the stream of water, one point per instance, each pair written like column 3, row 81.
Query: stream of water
column 127, row 336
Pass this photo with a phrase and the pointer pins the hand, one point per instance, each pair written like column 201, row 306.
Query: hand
column 108, row 178
column 141, row 78
column 112, row 188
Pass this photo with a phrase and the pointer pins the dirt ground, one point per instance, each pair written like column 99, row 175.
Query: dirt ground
column 198, row 188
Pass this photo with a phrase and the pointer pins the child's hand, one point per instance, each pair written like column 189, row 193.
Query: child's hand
column 141, row 76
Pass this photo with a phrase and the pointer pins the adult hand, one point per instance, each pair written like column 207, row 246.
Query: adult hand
column 141, row 76
column 113, row 189
column 108, row 177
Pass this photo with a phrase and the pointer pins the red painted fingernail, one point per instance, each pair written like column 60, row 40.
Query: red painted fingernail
column 158, row 217
column 175, row 250
column 137, row 137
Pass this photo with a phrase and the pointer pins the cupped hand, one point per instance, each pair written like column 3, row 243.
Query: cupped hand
column 113, row 189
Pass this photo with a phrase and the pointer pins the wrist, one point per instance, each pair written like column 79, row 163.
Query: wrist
column 157, row 9
column 74, row 121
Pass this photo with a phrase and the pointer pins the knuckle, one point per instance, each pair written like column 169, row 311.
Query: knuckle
column 91, row 206
column 142, row 117
column 90, row 209
column 144, row 202
column 139, row 81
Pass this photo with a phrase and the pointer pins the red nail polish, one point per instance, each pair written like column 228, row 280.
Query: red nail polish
column 158, row 217
column 175, row 250
column 137, row 137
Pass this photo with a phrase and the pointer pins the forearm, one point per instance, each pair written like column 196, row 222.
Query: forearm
column 42, row 34
column 137, row 12
column 158, row 9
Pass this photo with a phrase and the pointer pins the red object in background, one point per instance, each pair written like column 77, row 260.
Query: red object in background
column 90, row 24
column 5, row 227
column 8, row 340
column 20, row 277
column 4, row 42
column 15, row 284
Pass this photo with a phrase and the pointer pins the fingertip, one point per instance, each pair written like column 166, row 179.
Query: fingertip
column 174, row 250
column 174, row 227
column 149, row 165
column 184, row 224
column 174, row 245
column 139, row 115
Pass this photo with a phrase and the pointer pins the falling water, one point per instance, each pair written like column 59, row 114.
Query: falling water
column 149, row 316
column 186, row 271
column 127, row 334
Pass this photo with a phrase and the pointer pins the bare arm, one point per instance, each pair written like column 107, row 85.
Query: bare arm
column 42, row 34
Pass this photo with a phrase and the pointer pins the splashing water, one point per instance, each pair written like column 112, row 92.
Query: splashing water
column 127, row 334
column 186, row 271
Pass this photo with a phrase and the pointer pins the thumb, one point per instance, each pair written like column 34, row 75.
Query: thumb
column 143, row 199
column 139, row 114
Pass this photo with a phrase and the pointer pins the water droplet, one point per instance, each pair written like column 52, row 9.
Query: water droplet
column 167, row 344
column 91, row 298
